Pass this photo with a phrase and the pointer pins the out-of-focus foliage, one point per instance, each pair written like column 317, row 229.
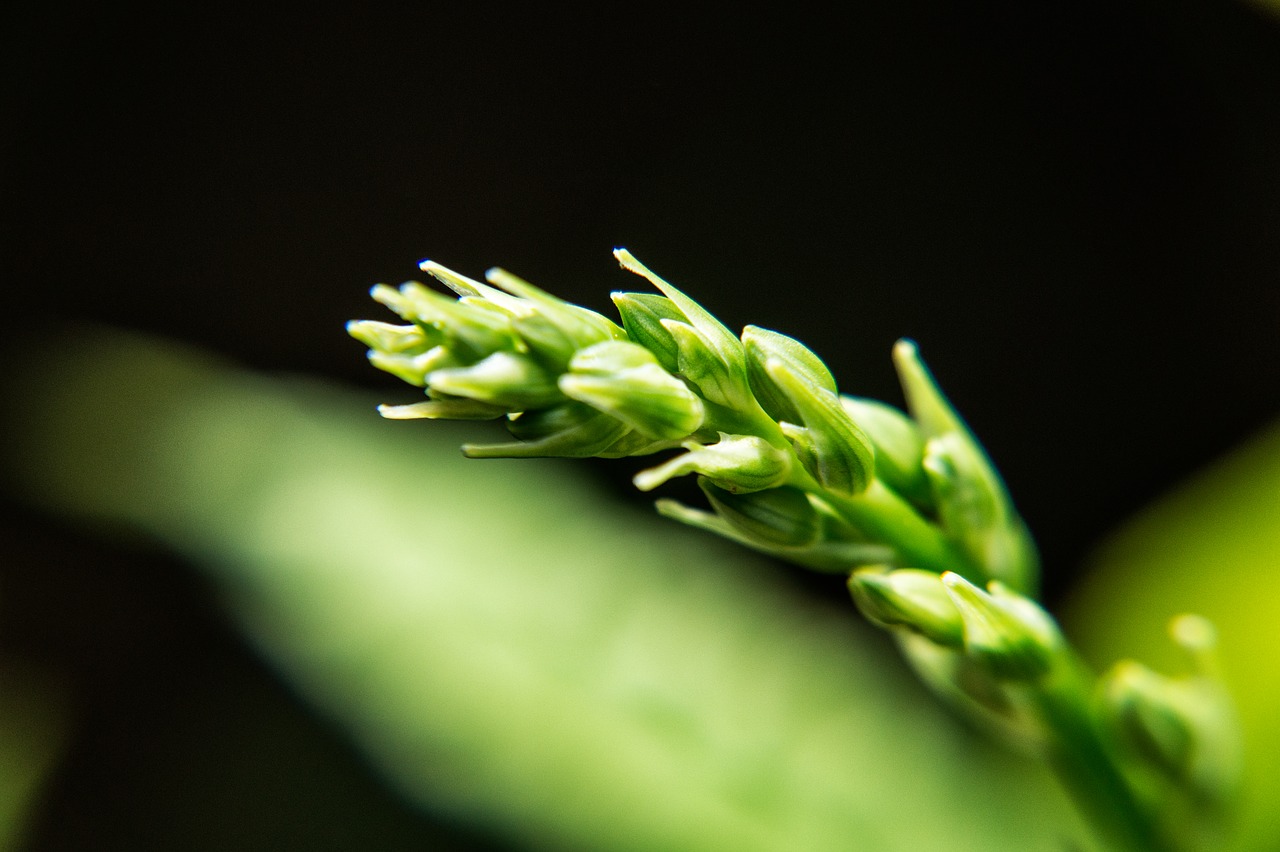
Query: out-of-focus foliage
column 504, row 646
column 1212, row 548
column 31, row 737
column 1272, row 6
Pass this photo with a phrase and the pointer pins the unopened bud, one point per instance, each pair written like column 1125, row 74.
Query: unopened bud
column 974, row 507
column 970, row 496
column 1145, row 710
column 1183, row 727
column 832, row 448
column 642, row 315
column 470, row 327
column 505, row 379
column 625, row 381
column 761, row 346
column 552, row 328
column 781, row 517
column 735, row 463
column 443, row 409
column 1007, row 633
column 709, row 354
column 386, row 337
column 568, row 430
column 782, row 522
column 411, row 368
column 899, row 447
column 908, row 598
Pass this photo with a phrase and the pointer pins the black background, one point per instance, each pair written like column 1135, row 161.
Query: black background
column 1074, row 208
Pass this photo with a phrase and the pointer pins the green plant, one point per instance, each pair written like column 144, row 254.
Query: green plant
column 909, row 506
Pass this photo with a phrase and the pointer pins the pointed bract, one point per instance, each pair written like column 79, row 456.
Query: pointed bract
column 642, row 315
column 736, row 463
column 729, row 386
column 835, row 452
column 762, row 346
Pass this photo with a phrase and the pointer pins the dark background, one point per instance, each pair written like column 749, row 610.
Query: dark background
column 1074, row 208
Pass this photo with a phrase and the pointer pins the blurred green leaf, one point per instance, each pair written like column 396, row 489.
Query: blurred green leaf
column 32, row 733
column 1212, row 548
column 504, row 645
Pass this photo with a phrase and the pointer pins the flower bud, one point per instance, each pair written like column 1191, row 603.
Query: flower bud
column 504, row 379
column 735, row 463
column 625, row 381
column 392, row 339
column 411, row 368
column 552, row 328
column 781, row 517
column 898, row 445
column 832, row 448
column 568, row 430
column 909, row 598
column 1007, row 633
column 1144, row 709
column 778, row 523
column 703, row 367
column 1182, row 727
column 642, row 315
column 975, row 509
column 762, row 345
column 471, row 328
column 971, row 499
column 709, row 354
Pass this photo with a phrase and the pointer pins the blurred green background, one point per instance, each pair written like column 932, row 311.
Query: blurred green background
column 1076, row 211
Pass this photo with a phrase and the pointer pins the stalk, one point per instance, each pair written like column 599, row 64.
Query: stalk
column 1085, row 764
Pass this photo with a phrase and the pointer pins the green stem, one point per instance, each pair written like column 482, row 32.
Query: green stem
column 1085, row 766
column 878, row 513
column 883, row 516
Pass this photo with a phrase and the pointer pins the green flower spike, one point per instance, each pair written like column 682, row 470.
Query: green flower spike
column 908, row 507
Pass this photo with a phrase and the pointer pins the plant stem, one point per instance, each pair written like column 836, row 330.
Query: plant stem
column 1085, row 765
column 881, row 515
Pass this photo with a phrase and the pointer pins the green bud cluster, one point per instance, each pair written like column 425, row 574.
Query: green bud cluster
column 788, row 464
column 567, row 379
column 906, row 502
column 1181, row 729
column 1006, row 634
